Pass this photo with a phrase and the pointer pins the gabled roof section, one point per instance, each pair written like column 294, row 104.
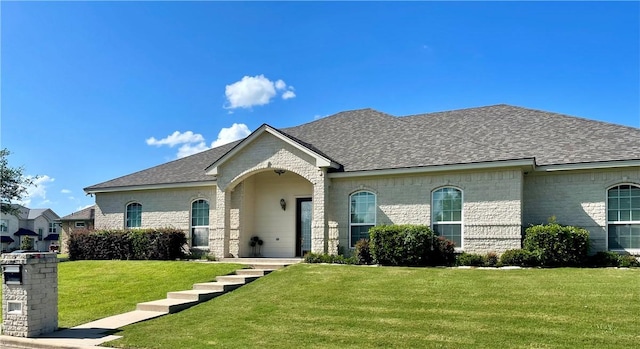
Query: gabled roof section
column 86, row 214
column 321, row 159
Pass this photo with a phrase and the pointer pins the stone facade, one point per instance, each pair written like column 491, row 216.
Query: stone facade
column 492, row 214
column 574, row 198
column 30, row 309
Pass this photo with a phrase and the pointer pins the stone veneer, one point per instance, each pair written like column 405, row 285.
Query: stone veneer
column 36, row 296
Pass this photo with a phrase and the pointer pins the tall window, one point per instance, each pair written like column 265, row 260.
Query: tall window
column 362, row 211
column 623, row 217
column 3, row 225
column 200, row 223
column 447, row 214
column 52, row 228
column 134, row 215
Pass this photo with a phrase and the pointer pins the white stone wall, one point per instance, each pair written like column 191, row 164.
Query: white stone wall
column 37, row 295
column 491, row 204
column 161, row 208
column 574, row 198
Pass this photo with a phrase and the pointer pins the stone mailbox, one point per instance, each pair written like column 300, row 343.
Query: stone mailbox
column 29, row 294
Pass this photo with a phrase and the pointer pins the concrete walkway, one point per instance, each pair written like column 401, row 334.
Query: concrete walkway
column 92, row 334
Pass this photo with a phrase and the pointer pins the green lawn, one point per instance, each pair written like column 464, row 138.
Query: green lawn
column 91, row 290
column 333, row 306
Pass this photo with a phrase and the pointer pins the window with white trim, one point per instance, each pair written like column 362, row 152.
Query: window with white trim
column 623, row 217
column 4, row 224
column 446, row 214
column 362, row 213
column 134, row 215
column 52, row 228
column 200, row 223
column 80, row 225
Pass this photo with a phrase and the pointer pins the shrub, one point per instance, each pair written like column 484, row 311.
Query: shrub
column 362, row 252
column 411, row 245
column 328, row 258
column 518, row 257
column 470, row 259
column 604, row 259
column 557, row 245
column 627, row 261
column 140, row 244
column 491, row 260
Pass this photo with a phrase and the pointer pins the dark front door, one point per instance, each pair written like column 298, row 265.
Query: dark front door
column 304, row 210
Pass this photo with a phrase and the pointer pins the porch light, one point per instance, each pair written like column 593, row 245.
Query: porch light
column 279, row 172
column 283, row 204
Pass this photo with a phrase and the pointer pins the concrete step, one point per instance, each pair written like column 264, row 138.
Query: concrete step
column 195, row 295
column 253, row 272
column 245, row 279
column 218, row 286
column 268, row 266
column 286, row 261
column 166, row 305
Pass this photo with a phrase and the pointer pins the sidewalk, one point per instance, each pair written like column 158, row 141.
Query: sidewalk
column 89, row 335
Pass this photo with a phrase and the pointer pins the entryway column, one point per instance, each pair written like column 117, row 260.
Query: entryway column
column 318, row 225
column 219, row 238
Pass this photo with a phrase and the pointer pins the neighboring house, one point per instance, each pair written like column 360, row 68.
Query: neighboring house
column 83, row 219
column 478, row 176
column 38, row 224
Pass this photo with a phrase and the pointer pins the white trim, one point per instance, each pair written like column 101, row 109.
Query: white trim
column 151, row 186
column 461, row 221
column 589, row 165
column 526, row 163
column 375, row 215
column 321, row 161
column 192, row 227
column 633, row 251
column 126, row 214
column 80, row 226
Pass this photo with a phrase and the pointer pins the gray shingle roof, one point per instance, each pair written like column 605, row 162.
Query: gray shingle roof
column 86, row 214
column 367, row 139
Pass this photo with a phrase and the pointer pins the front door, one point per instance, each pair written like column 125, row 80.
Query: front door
column 304, row 209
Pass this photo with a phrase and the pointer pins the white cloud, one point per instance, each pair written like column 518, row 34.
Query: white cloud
column 176, row 138
column 37, row 190
column 254, row 90
column 230, row 134
column 65, row 191
column 192, row 143
column 288, row 94
column 190, row 149
column 280, row 85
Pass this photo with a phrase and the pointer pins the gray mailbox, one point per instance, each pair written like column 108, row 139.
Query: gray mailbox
column 12, row 274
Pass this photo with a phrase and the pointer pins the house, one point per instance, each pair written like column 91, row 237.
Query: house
column 38, row 224
column 478, row 176
column 82, row 219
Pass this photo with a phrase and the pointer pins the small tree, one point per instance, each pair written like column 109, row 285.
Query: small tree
column 13, row 184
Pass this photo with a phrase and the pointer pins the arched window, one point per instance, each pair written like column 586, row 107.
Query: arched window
column 134, row 215
column 446, row 214
column 200, row 223
column 362, row 213
column 623, row 217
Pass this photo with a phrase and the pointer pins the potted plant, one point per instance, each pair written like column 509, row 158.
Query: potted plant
column 256, row 245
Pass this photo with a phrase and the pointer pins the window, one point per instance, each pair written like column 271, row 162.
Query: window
column 79, row 224
column 134, row 215
column 52, row 228
column 40, row 233
column 446, row 213
column 623, row 217
column 362, row 212
column 200, row 223
column 3, row 225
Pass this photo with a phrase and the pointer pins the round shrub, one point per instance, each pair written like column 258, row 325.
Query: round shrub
column 518, row 257
column 556, row 245
column 362, row 252
column 470, row 259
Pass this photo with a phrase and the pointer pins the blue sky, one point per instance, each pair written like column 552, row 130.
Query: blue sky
column 91, row 91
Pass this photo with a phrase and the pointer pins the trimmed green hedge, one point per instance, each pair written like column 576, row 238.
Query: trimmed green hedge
column 555, row 245
column 409, row 245
column 139, row 244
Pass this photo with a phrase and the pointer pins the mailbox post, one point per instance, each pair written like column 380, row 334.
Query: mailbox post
column 29, row 294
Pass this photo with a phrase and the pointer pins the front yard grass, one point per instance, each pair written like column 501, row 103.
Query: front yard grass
column 333, row 306
column 91, row 290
